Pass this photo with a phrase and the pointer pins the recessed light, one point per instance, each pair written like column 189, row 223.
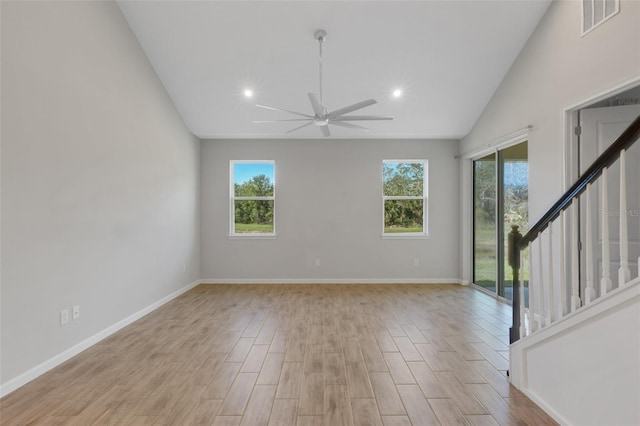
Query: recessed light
column 248, row 93
column 397, row 93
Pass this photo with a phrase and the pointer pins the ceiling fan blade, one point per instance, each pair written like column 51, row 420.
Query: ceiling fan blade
column 362, row 117
column 349, row 125
column 315, row 103
column 284, row 110
column 351, row 108
column 278, row 121
column 325, row 131
column 300, row 127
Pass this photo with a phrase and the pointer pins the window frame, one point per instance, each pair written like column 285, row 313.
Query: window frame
column 425, row 202
column 233, row 198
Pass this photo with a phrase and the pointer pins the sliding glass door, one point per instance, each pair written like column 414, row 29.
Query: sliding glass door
column 500, row 199
column 514, row 208
column 485, row 267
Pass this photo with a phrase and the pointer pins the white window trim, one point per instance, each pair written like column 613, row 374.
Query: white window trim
column 232, row 199
column 424, row 198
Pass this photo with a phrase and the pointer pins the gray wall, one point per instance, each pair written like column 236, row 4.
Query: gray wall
column 328, row 206
column 99, row 179
column 556, row 69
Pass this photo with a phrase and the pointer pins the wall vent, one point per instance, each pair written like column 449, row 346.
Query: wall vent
column 596, row 12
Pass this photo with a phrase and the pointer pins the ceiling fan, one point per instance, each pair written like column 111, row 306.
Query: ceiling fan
column 321, row 116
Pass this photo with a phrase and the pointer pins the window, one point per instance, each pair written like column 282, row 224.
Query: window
column 252, row 198
column 404, row 197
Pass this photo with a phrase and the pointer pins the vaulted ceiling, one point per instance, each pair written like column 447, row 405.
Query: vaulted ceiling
column 448, row 58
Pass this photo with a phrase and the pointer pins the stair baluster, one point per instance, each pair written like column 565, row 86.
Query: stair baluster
column 543, row 308
column 562, row 303
column 589, row 292
column 550, row 277
column 605, row 282
column 523, row 331
column 575, row 256
column 533, row 325
column 624, row 274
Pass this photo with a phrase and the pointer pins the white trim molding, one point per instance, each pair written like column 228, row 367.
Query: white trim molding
column 569, row 120
column 38, row 370
column 497, row 144
column 528, row 355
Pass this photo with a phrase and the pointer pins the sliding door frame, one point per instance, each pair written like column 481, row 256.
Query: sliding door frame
column 496, row 148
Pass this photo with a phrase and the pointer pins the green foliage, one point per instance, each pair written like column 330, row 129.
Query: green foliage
column 257, row 186
column 516, row 210
column 515, row 195
column 397, row 230
column 484, row 191
column 403, row 214
column 253, row 228
column 403, row 179
column 255, row 212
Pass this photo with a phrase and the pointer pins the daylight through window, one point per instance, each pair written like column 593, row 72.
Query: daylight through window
column 252, row 198
column 404, row 197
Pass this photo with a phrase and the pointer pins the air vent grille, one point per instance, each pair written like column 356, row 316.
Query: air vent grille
column 596, row 12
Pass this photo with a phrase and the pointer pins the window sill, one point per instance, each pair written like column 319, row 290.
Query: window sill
column 253, row 236
column 405, row 236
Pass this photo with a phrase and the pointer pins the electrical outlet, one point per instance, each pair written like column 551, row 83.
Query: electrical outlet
column 64, row 316
column 75, row 313
column 416, row 262
column 317, row 262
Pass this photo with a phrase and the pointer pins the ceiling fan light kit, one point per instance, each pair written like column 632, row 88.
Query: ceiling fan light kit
column 321, row 116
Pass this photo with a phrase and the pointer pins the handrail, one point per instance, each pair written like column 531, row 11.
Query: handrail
column 517, row 243
column 607, row 158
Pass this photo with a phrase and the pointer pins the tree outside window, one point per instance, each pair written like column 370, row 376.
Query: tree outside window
column 252, row 197
column 404, row 191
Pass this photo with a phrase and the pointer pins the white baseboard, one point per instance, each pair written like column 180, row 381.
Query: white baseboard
column 525, row 355
column 47, row 365
column 545, row 407
column 331, row 281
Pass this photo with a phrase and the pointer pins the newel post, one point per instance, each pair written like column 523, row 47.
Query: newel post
column 514, row 262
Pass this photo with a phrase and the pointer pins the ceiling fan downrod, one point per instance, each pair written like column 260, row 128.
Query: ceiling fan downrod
column 321, row 36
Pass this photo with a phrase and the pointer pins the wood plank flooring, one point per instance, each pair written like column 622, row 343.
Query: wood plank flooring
column 292, row 355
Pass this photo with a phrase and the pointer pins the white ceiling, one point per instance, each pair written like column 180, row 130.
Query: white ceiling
column 447, row 56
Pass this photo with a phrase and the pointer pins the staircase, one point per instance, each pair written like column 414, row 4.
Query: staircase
column 575, row 339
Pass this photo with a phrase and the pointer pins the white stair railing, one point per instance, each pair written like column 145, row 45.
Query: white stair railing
column 551, row 278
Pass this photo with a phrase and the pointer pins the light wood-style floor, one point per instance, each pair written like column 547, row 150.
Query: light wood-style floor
column 292, row 355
